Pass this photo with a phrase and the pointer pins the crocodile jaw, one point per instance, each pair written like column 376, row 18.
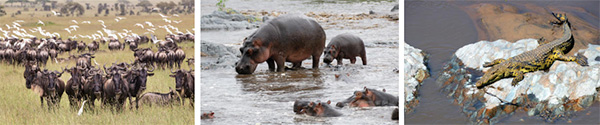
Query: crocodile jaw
column 491, row 76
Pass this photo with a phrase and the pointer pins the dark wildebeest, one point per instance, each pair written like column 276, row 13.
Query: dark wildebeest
column 144, row 56
column 93, row 47
column 42, row 56
column 160, row 58
column 92, row 89
column 47, row 85
column 184, row 84
column 85, row 60
column 179, row 56
column 30, row 55
column 81, row 47
column 115, row 45
column 115, row 88
column 161, row 99
column 53, row 54
column 74, row 87
column 137, row 78
column 143, row 39
column 133, row 45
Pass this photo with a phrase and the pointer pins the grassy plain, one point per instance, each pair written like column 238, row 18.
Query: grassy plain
column 19, row 105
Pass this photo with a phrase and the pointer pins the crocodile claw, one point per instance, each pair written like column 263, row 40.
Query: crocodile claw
column 581, row 60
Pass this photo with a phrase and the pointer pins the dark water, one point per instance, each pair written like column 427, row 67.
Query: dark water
column 267, row 97
column 440, row 28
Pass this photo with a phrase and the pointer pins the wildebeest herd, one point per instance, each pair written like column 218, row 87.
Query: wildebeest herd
column 112, row 84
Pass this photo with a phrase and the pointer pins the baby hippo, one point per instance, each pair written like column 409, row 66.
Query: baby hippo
column 162, row 99
column 345, row 46
column 318, row 109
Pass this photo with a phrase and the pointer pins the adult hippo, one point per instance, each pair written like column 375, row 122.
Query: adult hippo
column 288, row 38
column 345, row 46
column 318, row 109
column 368, row 98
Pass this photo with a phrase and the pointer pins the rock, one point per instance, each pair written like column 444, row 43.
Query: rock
column 415, row 71
column 566, row 88
column 220, row 20
column 226, row 56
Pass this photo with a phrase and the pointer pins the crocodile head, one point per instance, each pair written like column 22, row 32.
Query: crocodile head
column 492, row 75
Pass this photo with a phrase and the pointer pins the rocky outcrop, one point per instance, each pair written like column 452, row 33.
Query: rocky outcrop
column 221, row 20
column 226, row 56
column 566, row 88
column 415, row 71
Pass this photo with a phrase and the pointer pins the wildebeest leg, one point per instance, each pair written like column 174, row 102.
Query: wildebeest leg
column 42, row 100
column 271, row 63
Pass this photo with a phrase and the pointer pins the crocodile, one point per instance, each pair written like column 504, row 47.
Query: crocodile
column 540, row 58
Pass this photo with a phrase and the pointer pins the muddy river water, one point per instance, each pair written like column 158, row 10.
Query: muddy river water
column 267, row 97
column 440, row 28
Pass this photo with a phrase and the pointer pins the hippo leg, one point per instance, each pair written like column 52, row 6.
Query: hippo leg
column 363, row 57
column 352, row 60
column 296, row 66
column 315, row 58
column 339, row 61
column 280, row 60
column 271, row 63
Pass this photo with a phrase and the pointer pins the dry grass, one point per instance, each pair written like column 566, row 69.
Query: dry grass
column 19, row 105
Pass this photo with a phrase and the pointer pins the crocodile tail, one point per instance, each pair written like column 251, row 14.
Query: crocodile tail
column 562, row 18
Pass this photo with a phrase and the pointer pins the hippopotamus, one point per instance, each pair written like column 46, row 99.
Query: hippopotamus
column 368, row 98
column 318, row 109
column 345, row 46
column 287, row 38
column 210, row 115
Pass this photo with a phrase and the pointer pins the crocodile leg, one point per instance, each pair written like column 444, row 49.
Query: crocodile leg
column 490, row 64
column 519, row 76
column 579, row 59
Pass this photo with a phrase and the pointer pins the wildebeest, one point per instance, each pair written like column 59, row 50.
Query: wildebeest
column 42, row 56
column 92, row 89
column 74, row 88
column 47, row 85
column 85, row 60
column 162, row 99
column 184, row 84
column 115, row 45
column 190, row 62
column 81, row 47
column 115, row 88
column 179, row 56
column 93, row 47
column 137, row 78
column 161, row 58
column 144, row 56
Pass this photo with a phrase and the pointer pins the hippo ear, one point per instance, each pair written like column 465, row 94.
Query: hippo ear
column 311, row 104
column 328, row 101
column 333, row 47
column 383, row 90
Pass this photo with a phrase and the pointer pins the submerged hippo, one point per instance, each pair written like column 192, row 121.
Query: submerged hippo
column 288, row 38
column 345, row 46
column 318, row 109
column 210, row 115
column 369, row 97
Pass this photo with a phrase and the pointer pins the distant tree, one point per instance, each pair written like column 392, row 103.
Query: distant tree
column 2, row 12
column 72, row 8
column 124, row 1
column 166, row 7
column 145, row 4
column 187, row 3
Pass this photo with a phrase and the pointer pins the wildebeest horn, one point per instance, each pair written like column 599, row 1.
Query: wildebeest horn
column 151, row 69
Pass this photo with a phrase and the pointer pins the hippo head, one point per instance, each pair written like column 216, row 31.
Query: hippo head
column 330, row 54
column 253, row 52
column 363, row 99
column 316, row 109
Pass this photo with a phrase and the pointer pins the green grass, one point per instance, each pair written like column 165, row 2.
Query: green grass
column 19, row 105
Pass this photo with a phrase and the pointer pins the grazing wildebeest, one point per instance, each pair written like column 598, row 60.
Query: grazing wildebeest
column 161, row 99
column 81, row 47
column 85, row 60
column 179, row 56
column 93, row 47
column 184, row 84
column 74, row 87
column 92, row 89
column 160, row 58
column 144, row 56
column 115, row 88
column 115, row 45
column 137, row 78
